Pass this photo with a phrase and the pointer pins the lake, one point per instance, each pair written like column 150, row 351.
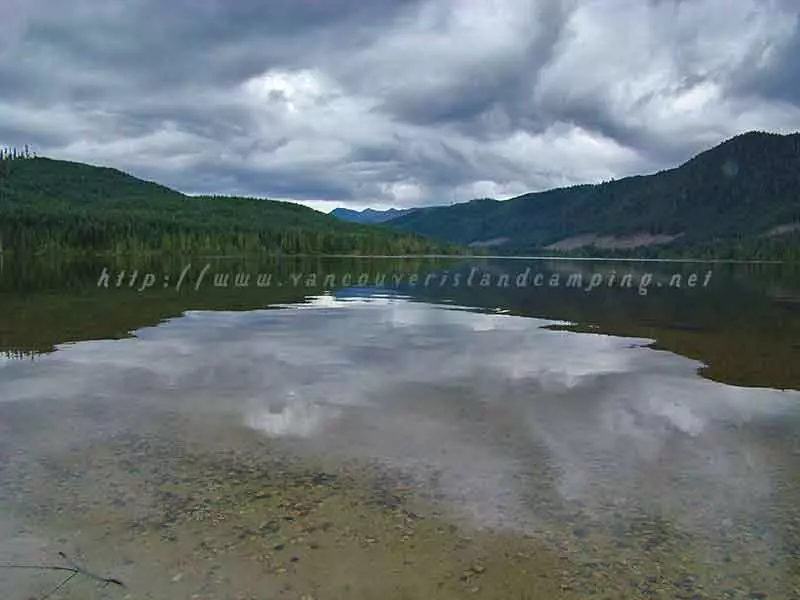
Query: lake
column 400, row 428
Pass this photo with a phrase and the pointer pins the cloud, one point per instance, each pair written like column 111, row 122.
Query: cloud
column 393, row 103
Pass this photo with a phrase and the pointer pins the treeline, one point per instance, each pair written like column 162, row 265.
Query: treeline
column 10, row 154
column 48, row 205
column 39, row 231
column 13, row 153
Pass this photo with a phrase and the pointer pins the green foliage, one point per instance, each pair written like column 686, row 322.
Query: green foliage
column 50, row 205
column 723, row 202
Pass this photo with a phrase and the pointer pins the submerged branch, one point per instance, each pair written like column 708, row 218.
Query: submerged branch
column 72, row 568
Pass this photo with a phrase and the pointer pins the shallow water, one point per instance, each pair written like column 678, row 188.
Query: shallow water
column 619, row 467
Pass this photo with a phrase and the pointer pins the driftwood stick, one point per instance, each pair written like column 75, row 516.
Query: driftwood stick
column 59, row 586
column 78, row 569
column 73, row 568
column 40, row 567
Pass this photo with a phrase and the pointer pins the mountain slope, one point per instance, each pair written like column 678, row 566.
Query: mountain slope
column 724, row 199
column 51, row 204
column 369, row 215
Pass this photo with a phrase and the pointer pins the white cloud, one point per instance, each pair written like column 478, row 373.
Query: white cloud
column 394, row 104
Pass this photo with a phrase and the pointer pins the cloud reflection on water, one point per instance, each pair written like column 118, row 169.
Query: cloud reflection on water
column 490, row 406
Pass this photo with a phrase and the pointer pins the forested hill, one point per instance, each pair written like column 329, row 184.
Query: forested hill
column 57, row 205
column 740, row 199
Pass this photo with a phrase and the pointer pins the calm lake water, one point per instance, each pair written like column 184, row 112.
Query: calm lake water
column 264, row 428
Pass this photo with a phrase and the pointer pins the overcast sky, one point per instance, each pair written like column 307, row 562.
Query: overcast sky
column 392, row 102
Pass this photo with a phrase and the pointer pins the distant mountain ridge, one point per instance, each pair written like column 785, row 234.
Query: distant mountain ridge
column 370, row 215
column 739, row 199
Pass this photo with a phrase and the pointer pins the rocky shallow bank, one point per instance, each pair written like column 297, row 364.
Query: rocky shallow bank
column 205, row 512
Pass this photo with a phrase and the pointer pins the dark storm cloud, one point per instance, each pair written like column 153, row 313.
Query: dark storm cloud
column 503, row 83
column 777, row 78
column 392, row 102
